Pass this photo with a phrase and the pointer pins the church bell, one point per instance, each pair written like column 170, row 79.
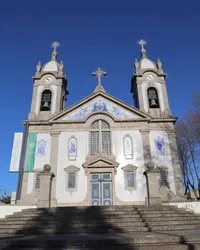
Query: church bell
column 153, row 103
column 46, row 105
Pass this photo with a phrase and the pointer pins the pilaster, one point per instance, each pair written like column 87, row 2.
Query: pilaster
column 146, row 145
column 53, row 162
column 175, row 162
column 153, row 176
column 45, row 187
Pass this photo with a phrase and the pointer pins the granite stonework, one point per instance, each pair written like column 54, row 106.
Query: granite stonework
column 133, row 136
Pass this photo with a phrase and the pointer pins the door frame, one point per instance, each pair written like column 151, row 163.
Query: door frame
column 100, row 170
column 101, row 185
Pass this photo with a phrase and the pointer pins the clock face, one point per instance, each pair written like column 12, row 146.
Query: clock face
column 150, row 77
column 48, row 79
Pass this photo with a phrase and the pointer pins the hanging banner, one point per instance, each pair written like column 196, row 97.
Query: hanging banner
column 16, row 152
column 30, row 152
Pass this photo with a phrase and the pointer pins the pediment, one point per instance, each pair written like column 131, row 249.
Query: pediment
column 100, row 162
column 99, row 103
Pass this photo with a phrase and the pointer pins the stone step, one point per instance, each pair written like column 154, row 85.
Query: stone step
column 72, row 230
column 174, row 222
column 175, row 227
column 64, row 220
column 77, row 214
column 116, row 246
column 72, row 224
column 94, row 239
column 81, row 209
column 163, row 212
column 172, row 218
column 56, row 217
column 169, row 215
column 111, row 245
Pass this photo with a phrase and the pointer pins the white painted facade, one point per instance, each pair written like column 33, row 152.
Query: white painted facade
column 162, row 159
column 62, row 195
column 66, row 135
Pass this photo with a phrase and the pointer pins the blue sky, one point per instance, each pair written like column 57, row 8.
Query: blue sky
column 91, row 34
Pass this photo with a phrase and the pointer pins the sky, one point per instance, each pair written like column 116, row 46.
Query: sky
column 93, row 34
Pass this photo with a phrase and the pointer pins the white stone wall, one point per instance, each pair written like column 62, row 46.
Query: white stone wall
column 10, row 209
column 145, row 97
column 41, row 160
column 165, row 159
column 62, row 195
column 138, row 160
column 189, row 206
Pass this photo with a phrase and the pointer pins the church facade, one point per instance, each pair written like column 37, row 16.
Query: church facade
column 99, row 148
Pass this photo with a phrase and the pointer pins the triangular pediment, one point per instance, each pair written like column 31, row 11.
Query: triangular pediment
column 99, row 102
column 100, row 162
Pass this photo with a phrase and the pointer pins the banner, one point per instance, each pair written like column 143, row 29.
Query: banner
column 30, row 152
column 16, row 152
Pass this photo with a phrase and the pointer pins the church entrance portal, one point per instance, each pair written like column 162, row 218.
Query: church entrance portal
column 101, row 189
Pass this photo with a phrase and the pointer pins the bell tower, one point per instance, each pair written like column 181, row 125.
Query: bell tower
column 149, row 87
column 49, row 88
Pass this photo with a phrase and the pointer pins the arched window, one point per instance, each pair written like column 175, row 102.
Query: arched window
column 100, row 141
column 46, row 100
column 153, row 98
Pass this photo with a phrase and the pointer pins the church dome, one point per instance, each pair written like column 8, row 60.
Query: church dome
column 145, row 63
column 51, row 66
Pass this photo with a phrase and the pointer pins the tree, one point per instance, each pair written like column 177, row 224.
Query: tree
column 188, row 138
column 5, row 198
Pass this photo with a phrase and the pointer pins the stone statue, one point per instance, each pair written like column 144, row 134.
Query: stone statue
column 159, row 64
column 136, row 64
column 38, row 67
column 61, row 66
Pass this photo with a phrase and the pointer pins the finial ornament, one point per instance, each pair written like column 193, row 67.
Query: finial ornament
column 142, row 43
column 54, row 53
column 38, row 67
column 143, row 51
column 99, row 73
column 55, row 45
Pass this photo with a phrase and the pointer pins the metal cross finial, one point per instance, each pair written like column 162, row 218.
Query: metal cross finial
column 142, row 43
column 99, row 73
column 55, row 45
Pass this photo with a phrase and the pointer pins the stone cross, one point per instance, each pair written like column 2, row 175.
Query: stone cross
column 99, row 73
column 55, row 45
column 142, row 43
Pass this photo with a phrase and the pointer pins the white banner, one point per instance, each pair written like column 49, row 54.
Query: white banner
column 16, row 152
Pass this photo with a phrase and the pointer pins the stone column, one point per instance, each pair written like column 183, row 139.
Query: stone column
column 175, row 162
column 146, row 145
column 53, row 163
column 153, row 182
column 46, row 177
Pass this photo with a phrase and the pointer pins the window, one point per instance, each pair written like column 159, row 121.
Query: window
column 37, row 181
column 153, row 98
column 164, row 178
column 100, row 140
column 71, row 178
column 46, row 100
column 129, row 177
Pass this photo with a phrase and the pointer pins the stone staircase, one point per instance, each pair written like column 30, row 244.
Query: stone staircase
column 112, row 227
